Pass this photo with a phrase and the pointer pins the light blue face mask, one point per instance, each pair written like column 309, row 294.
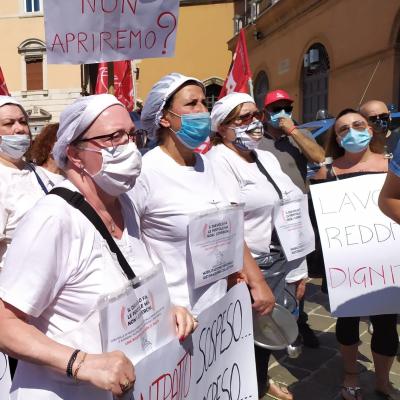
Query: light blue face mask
column 274, row 117
column 356, row 141
column 195, row 129
column 14, row 146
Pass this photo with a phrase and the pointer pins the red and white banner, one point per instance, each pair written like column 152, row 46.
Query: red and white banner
column 239, row 74
column 3, row 86
column 123, row 86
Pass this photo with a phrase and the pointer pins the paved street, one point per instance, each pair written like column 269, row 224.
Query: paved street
column 317, row 373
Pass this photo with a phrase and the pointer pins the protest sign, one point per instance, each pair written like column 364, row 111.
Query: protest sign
column 216, row 243
column 215, row 362
column 360, row 247
column 138, row 320
column 5, row 377
column 91, row 31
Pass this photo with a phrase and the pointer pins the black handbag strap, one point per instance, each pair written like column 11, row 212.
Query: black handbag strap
column 266, row 174
column 39, row 179
column 76, row 200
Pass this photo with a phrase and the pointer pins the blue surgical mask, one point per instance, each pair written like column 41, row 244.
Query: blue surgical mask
column 195, row 129
column 14, row 146
column 356, row 141
column 275, row 117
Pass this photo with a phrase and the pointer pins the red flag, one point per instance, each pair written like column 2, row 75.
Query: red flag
column 204, row 147
column 3, row 86
column 123, row 86
column 239, row 71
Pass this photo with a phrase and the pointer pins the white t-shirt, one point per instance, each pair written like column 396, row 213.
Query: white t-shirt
column 164, row 196
column 19, row 191
column 56, row 268
column 248, row 185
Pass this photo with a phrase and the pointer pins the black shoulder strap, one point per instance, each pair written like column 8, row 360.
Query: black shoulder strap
column 77, row 200
column 39, row 179
column 267, row 175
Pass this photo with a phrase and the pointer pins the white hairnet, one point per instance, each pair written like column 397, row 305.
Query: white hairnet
column 158, row 96
column 224, row 106
column 76, row 118
column 10, row 100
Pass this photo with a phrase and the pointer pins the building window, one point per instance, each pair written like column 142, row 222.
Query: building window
column 33, row 65
column 261, row 87
column 315, row 80
column 34, row 73
column 213, row 89
column 32, row 6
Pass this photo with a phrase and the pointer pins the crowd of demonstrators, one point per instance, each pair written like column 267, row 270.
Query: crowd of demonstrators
column 238, row 128
column 176, row 182
column 294, row 148
column 348, row 145
column 48, row 294
column 48, row 318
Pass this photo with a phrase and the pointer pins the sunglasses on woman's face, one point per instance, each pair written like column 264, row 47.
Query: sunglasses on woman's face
column 382, row 117
column 248, row 117
column 287, row 109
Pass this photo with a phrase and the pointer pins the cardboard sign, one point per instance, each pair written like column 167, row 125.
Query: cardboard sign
column 360, row 246
column 216, row 362
column 92, row 31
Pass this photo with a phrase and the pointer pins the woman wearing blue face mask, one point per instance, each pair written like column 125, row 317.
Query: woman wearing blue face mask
column 21, row 185
column 177, row 182
column 349, row 147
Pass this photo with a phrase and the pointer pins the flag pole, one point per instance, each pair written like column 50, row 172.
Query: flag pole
column 251, row 90
column 110, row 71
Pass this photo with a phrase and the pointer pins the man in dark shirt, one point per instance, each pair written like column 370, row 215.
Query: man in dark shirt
column 293, row 148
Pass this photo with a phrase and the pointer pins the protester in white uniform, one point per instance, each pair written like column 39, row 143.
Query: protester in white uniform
column 21, row 184
column 237, row 125
column 177, row 182
column 58, row 264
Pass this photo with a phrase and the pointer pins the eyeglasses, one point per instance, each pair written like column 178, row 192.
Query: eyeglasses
column 357, row 125
column 277, row 109
column 382, row 117
column 248, row 117
column 113, row 139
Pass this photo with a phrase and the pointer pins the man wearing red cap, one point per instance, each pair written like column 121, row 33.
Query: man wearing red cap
column 294, row 148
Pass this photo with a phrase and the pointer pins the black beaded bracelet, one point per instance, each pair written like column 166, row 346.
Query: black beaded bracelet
column 71, row 363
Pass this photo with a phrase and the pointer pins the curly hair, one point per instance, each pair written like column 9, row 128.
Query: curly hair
column 43, row 144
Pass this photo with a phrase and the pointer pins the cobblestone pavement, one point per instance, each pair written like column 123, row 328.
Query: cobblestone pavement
column 317, row 373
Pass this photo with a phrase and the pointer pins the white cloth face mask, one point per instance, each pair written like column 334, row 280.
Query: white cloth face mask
column 14, row 146
column 248, row 137
column 120, row 168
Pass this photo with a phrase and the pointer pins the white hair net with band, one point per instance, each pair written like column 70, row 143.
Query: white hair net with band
column 224, row 106
column 10, row 100
column 158, row 96
column 76, row 118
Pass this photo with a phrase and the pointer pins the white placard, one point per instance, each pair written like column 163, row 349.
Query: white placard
column 5, row 377
column 293, row 225
column 91, row 31
column 216, row 362
column 360, row 247
column 216, row 243
column 138, row 321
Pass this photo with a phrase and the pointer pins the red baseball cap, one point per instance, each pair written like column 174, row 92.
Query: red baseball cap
column 276, row 95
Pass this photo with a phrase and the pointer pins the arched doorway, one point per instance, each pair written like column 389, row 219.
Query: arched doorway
column 314, row 81
column 261, row 87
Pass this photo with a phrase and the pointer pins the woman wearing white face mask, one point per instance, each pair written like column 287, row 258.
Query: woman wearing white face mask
column 21, row 184
column 175, row 183
column 60, row 262
column 238, row 129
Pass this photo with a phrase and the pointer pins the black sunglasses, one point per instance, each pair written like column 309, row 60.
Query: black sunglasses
column 248, row 117
column 287, row 109
column 383, row 117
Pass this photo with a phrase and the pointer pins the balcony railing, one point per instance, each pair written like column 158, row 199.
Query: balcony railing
column 252, row 9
